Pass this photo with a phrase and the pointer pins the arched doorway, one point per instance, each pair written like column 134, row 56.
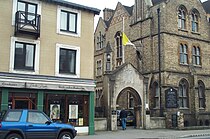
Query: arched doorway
column 129, row 99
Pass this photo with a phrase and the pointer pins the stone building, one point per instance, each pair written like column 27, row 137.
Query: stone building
column 164, row 76
column 44, row 49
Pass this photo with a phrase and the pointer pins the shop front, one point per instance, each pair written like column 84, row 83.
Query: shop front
column 62, row 99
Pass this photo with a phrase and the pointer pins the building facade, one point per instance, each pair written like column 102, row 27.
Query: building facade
column 44, row 50
column 164, row 76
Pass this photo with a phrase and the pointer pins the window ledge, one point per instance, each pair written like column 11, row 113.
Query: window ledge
column 183, row 64
column 196, row 33
column 184, row 30
column 184, row 108
column 197, row 66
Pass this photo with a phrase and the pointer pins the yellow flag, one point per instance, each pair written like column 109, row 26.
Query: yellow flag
column 125, row 40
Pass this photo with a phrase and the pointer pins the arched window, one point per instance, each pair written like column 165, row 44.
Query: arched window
column 201, row 94
column 183, row 54
column 108, row 62
column 194, row 20
column 196, row 56
column 118, row 38
column 182, row 17
column 183, row 94
column 156, row 95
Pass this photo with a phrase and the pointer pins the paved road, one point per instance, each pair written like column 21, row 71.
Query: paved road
column 149, row 134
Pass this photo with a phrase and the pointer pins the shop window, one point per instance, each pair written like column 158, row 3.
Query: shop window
column 72, row 109
column 183, row 94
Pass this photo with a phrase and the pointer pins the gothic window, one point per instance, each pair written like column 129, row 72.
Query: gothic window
column 183, row 54
column 100, row 41
column 201, row 94
column 118, row 39
column 196, row 56
column 155, row 94
column 99, row 68
column 194, row 20
column 183, row 94
column 182, row 17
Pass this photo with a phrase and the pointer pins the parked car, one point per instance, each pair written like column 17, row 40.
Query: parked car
column 32, row 124
column 130, row 117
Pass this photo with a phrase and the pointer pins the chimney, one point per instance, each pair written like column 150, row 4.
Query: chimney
column 108, row 13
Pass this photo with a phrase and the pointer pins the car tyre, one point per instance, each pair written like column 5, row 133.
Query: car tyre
column 14, row 136
column 65, row 135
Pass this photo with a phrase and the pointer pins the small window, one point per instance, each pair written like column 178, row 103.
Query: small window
column 196, row 56
column 37, row 118
column 24, row 56
column 118, row 39
column 13, row 116
column 99, row 67
column 155, row 95
column 183, row 54
column 100, row 41
column 201, row 94
column 67, row 62
column 108, row 62
column 68, row 21
column 194, row 20
column 182, row 17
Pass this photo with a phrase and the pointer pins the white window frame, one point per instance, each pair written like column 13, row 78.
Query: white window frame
column 14, row 9
column 36, row 58
column 70, row 47
column 78, row 33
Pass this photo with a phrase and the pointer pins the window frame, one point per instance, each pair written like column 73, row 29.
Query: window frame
column 183, row 93
column 183, row 54
column 36, row 56
column 77, row 66
column 15, row 8
column 195, row 21
column 119, row 49
column 99, row 67
column 201, row 95
column 24, row 67
column 196, row 56
column 78, row 21
column 182, row 18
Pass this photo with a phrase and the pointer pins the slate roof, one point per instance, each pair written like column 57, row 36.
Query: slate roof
column 74, row 5
column 206, row 6
column 157, row 1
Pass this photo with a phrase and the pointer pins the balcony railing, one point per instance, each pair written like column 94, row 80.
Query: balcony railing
column 27, row 23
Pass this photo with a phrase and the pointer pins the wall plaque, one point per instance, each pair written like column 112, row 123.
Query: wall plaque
column 171, row 98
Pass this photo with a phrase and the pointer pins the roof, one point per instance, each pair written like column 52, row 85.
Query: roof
column 129, row 9
column 74, row 5
column 206, row 6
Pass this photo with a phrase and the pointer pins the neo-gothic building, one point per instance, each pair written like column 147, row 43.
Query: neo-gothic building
column 164, row 78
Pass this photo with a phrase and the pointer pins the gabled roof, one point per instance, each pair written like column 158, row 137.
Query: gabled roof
column 206, row 6
column 74, row 5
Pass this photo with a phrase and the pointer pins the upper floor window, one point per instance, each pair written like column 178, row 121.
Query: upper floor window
column 24, row 56
column 183, row 54
column 156, row 95
column 100, row 41
column 69, row 21
column 118, row 38
column 67, row 60
column 196, row 56
column 182, row 17
column 201, row 94
column 99, row 67
column 183, row 94
column 194, row 20
column 29, row 9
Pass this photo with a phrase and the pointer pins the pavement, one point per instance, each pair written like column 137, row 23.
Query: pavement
column 131, row 133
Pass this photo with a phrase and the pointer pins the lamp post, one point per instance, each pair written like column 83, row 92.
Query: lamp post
column 159, row 60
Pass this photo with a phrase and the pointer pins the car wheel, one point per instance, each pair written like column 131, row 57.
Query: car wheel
column 65, row 135
column 14, row 136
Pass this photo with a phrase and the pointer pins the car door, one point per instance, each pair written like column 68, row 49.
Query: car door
column 39, row 126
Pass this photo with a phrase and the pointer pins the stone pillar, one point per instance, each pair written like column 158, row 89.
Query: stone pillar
column 180, row 120
column 114, row 120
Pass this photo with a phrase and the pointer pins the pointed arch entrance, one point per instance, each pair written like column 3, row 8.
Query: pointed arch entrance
column 129, row 99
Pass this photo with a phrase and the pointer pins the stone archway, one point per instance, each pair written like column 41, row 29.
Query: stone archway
column 129, row 99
